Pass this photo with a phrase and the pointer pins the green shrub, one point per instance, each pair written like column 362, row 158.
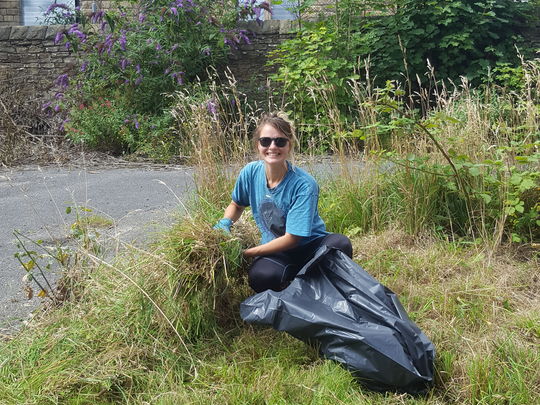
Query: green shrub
column 314, row 70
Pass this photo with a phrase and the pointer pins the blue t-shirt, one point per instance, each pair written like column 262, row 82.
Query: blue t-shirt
column 290, row 207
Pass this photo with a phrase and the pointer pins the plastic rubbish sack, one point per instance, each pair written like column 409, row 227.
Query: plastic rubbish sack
column 353, row 319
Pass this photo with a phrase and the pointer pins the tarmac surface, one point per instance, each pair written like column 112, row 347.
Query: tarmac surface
column 140, row 201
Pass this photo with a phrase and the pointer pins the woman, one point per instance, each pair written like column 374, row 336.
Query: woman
column 283, row 199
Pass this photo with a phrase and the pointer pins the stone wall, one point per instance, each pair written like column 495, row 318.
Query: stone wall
column 9, row 12
column 248, row 63
column 29, row 56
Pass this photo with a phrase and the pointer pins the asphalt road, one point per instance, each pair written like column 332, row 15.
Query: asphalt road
column 139, row 201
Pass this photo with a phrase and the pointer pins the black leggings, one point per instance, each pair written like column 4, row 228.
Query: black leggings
column 276, row 271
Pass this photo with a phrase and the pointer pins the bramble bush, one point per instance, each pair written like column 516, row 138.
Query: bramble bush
column 134, row 58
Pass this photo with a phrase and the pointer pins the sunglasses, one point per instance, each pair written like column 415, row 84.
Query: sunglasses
column 279, row 142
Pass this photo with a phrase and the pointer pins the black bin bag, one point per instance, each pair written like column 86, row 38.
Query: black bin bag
column 353, row 319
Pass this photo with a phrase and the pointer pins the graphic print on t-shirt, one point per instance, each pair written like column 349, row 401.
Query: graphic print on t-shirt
column 273, row 218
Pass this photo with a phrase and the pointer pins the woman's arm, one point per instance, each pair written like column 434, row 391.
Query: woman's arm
column 285, row 242
column 233, row 211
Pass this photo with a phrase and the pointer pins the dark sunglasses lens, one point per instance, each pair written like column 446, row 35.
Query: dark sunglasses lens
column 280, row 142
column 265, row 142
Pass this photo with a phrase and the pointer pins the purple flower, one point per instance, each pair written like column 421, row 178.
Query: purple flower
column 46, row 105
column 122, row 41
column 179, row 76
column 142, row 17
column 206, row 51
column 59, row 96
column 174, row 47
column 97, row 16
column 107, row 44
column 67, row 45
column 257, row 12
column 167, row 71
column 59, row 36
column 136, row 123
column 244, row 37
column 211, row 108
column 174, row 10
column 232, row 44
column 138, row 80
column 138, row 69
column 158, row 47
column 57, row 108
column 74, row 29
column 62, row 81
column 124, row 63
column 84, row 66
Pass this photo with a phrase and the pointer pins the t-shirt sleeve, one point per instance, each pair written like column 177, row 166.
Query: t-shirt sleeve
column 302, row 212
column 240, row 194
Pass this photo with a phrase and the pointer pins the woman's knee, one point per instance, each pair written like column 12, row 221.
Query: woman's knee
column 339, row 241
column 267, row 274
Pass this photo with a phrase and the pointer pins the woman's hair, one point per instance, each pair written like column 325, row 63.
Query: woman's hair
column 279, row 121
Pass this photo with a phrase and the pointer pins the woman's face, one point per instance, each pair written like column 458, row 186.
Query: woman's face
column 273, row 154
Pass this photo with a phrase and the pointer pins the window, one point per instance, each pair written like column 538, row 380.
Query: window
column 32, row 11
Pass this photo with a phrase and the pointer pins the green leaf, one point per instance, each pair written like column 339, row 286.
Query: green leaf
column 110, row 21
column 485, row 197
column 68, row 210
column 527, row 184
column 474, row 171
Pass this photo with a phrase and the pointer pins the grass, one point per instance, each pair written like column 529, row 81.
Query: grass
column 161, row 326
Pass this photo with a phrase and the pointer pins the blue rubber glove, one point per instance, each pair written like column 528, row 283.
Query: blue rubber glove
column 224, row 224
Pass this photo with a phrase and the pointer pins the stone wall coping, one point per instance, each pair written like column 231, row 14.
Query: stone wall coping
column 30, row 32
column 5, row 33
column 270, row 26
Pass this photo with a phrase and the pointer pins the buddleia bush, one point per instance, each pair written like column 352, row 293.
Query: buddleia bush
column 133, row 57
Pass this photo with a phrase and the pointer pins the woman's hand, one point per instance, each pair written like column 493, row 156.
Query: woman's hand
column 232, row 214
column 285, row 242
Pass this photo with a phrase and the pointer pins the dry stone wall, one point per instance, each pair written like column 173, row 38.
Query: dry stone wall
column 248, row 63
column 29, row 57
